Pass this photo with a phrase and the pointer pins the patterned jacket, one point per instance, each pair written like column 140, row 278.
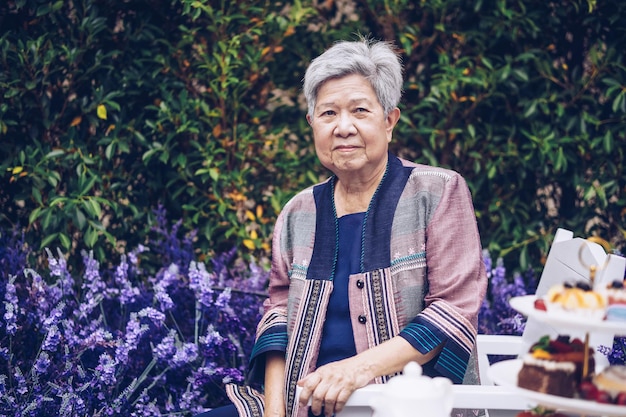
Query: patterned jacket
column 422, row 277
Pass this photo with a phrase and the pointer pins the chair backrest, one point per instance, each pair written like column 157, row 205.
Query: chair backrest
column 569, row 259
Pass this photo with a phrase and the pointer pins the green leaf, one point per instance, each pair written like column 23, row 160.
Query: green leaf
column 55, row 153
column 90, row 237
column 65, row 241
column 45, row 242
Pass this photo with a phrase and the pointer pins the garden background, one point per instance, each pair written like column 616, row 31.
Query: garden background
column 150, row 144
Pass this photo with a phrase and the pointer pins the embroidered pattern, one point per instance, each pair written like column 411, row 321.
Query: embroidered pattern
column 247, row 401
column 405, row 263
column 298, row 272
column 439, row 174
column 308, row 327
column 381, row 310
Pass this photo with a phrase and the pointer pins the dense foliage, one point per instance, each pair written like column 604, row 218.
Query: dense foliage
column 110, row 108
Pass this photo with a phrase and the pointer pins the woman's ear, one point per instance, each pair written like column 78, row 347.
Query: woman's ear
column 391, row 121
column 309, row 119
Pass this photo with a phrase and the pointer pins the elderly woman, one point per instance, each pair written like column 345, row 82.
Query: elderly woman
column 375, row 267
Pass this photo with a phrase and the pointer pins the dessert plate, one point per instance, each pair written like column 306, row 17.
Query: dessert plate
column 526, row 306
column 505, row 373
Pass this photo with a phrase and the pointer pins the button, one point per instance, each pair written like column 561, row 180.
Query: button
column 360, row 283
column 362, row 319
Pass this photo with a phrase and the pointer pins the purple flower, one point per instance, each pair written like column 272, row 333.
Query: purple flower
column 3, row 385
column 223, row 298
column 52, row 339
column 154, row 315
column 93, row 286
column 22, row 387
column 42, row 362
column 160, row 288
column 97, row 337
column 58, row 268
column 127, row 292
column 134, row 331
column 496, row 315
column 104, row 341
column 105, row 370
column 39, row 296
column 617, row 354
column 55, row 315
column 166, row 348
column 11, row 306
column 185, row 354
column 133, row 255
column 213, row 338
column 200, row 282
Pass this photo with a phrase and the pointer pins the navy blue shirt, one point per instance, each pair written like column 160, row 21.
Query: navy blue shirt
column 337, row 337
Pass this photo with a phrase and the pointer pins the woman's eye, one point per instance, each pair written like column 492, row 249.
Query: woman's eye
column 328, row 113
column 360, row 110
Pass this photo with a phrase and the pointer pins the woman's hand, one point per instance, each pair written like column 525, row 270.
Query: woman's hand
column 330, row 386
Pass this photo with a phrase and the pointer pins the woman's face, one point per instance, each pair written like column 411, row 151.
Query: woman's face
column 350, row 130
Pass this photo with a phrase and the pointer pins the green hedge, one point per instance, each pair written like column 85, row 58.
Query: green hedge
column 109, row 109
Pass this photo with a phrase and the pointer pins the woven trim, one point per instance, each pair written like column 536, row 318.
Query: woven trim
column 247, row 401
column 381, row 310
column 409, row 262
column 420, row 173
column 308, row 328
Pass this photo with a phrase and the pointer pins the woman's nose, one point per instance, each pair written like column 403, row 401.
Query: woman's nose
column 345, row 126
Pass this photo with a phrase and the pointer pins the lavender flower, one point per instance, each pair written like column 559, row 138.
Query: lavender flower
column 134, row 331
column 185, row 354
column 11, row 307
column 52, row 339
column 128, row 293
column 39, row 296
column 160, row 288
column 105, row 371
column 42, row 362
column 616, row 355
column 106, row 342
column 200, row 282
column 92, row 285
column 496, row 315
column 22, row 387
column 58, row 268
column 166, row 348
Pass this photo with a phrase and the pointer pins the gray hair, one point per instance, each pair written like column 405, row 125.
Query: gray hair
column 376, row 61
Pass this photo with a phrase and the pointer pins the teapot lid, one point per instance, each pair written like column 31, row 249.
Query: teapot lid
column 412, row 383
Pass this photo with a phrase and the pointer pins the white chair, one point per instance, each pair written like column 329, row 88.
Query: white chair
column 563, row 263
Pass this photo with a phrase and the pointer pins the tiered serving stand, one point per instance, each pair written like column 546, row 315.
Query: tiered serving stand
column 505, row 373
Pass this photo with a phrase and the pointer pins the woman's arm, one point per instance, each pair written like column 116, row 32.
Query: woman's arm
column 275, row 384
column 331, row 385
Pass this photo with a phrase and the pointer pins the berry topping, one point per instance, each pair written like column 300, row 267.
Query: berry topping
column 583, row 286
column 588, row 390
column 540, row 304
column 617, row 284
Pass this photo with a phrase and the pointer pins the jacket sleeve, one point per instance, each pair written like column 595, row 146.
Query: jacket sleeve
column 456, row 283
column 271, row 332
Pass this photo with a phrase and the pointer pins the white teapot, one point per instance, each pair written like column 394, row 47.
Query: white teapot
column 414, row 395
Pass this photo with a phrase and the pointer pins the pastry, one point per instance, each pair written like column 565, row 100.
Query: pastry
column 554, row 366
column 579, row 299
column 616, row 301
column 608, row 386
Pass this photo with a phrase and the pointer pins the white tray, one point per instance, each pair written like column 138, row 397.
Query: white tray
column 526, row 306
column 505, row 373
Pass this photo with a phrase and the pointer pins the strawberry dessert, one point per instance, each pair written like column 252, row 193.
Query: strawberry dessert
column 555, row 366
